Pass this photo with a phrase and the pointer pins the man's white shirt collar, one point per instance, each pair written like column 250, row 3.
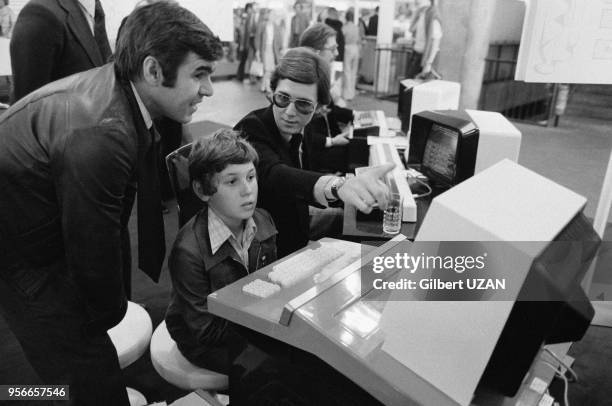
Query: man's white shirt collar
column 143, row 109
column 89, row 8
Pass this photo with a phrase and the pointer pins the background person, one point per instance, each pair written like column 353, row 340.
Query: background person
column 247, row 47
column 53, row 39
column 373, row 24
column 268, row 44
column 328, row 131
column 333, row 20
column 427, row 33
column 299, row 22
column 7, row 19
column 352, row 41
column 71, row 157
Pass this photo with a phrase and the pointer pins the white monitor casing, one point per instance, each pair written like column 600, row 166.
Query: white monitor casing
column 454, row 340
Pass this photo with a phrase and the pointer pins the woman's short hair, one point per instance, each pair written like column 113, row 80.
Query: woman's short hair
column 211, row 155
column 303, row 65
column 316, row 36
column 167, row 32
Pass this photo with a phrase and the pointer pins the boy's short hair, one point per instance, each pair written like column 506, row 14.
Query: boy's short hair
column 303, row 65
column 167, row 32
column 316, row 36
column 211, row 155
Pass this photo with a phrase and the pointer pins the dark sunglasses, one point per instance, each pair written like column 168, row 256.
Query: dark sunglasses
column 283, row 100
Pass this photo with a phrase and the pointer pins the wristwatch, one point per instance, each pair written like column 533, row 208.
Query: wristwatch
column 336, row 185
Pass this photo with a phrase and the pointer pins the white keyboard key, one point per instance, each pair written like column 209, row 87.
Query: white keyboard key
column 297, row 268
column 260, row 288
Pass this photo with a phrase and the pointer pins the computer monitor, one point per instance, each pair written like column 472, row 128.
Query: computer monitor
column 453, row 145
column 416, row 96
column 532, row 323
column 538, row 239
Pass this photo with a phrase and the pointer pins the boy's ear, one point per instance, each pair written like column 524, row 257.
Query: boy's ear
column 197, row 189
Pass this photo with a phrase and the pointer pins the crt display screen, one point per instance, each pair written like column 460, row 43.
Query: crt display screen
column 441, row 152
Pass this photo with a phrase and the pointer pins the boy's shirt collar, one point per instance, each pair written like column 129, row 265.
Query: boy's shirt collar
column 219, row 233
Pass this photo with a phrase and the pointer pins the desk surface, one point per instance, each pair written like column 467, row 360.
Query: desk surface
column 354, row 228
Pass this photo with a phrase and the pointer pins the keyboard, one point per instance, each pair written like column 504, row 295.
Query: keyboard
column 291, row 271
column 369, row 122
column 299, row 267
column 366, row 118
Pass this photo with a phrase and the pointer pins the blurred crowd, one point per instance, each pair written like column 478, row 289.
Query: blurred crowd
column 261, row 36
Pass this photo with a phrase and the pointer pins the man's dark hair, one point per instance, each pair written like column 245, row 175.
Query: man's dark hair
column 167, row 32
column 316, row 36
column 211, row 155
column 303, row 65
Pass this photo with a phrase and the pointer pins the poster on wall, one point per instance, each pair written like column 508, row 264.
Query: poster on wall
column 566, row 41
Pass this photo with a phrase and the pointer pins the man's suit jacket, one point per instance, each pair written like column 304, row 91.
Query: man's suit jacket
column 373, row 25
column 69, row 154
column 285, row 191
column 51, row 40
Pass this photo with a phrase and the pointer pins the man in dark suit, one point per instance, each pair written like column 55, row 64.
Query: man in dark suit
column 373, row 24
column 300, row 83
column 56, row 38
column 71, row 156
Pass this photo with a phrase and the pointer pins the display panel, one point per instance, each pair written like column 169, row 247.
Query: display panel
column 440, row 156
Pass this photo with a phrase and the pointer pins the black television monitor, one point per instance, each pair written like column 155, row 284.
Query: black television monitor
column 445, row 144
column 452, row 145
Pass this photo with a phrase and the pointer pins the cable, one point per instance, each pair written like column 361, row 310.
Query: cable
column 422, row 194
column 565, row 380
column 563, row 364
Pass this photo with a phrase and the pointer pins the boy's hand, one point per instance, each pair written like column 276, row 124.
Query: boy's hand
column 367, row 189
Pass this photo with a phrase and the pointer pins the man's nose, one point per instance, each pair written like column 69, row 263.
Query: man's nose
column 206, row 88
column 290, row 110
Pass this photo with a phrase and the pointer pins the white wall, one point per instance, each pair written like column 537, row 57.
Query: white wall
column 17, row 5
column 507, row 21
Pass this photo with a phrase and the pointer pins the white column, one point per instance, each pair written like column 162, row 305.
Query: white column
column 384, row 36
column 466, row 25
column 476, row 48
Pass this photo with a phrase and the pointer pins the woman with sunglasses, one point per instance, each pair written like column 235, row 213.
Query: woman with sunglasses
column 300, row 84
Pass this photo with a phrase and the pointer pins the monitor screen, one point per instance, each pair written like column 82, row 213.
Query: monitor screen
column 439, row 157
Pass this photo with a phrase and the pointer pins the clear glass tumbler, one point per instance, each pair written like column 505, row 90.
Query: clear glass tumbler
column 392, row 218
